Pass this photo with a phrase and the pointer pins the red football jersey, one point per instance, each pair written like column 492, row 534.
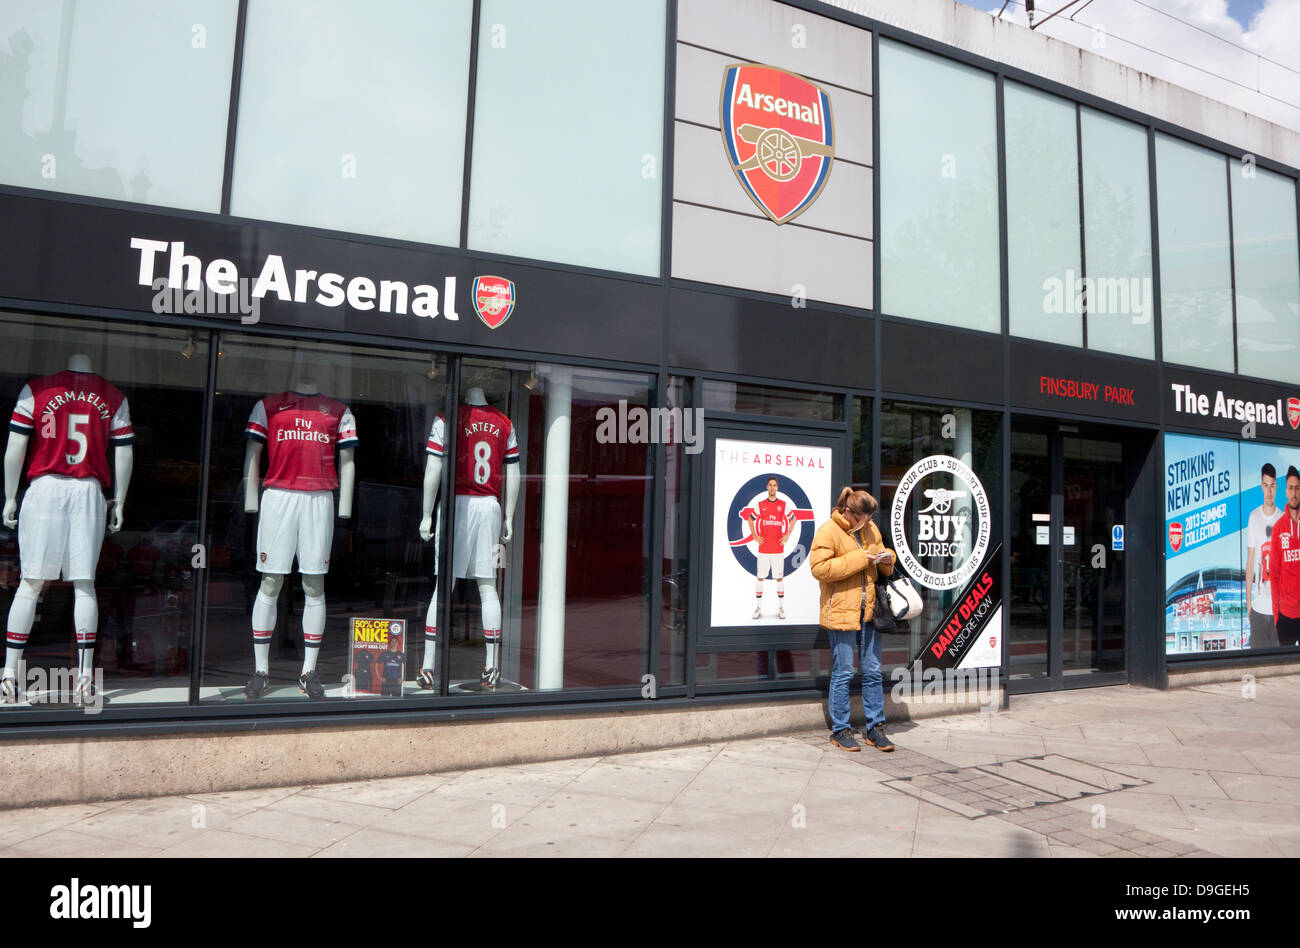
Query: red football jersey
column 75, row 416
column 1284, row 567
column 302, row 433
column 771, row 525
column 486, row 441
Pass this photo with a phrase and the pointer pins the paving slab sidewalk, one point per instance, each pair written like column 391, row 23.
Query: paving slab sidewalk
column 1115, row 772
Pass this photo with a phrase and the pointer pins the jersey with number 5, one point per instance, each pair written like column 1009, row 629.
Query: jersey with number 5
column 74, row 417
column 485, row 442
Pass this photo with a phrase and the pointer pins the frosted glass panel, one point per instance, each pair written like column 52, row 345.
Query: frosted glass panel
column 568, row 130
column 1195, row 270
column 1117, row 235
column 1043, row 257
column 1268, row 274
column 125, row 100
column 939, row 190
column 352, row 116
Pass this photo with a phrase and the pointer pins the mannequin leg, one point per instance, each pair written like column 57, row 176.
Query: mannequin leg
column 313, row 620
column 491, row 603
column 264, row 617
column 22, row 613
column 85, row 613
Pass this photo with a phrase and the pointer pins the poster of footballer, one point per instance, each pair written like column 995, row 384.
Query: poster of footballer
column 377, row 657
column 768, row 499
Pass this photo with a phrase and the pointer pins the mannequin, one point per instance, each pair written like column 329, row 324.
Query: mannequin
column 303, row 429
column 485, row 444
column 76, row 416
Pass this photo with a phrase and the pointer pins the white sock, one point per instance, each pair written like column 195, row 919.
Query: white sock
column 85, row 616
column 431, row 632
column 313, row 630
column 22, row 613
column 13, row 658
column 263, row 629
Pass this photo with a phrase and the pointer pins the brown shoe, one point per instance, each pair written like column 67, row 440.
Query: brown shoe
column 843, row 739
column 875, row 736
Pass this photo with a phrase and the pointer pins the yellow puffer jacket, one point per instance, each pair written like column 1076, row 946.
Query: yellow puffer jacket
column 845, row 571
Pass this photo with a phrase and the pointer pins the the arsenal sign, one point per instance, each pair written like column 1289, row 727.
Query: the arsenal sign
column 778, row 135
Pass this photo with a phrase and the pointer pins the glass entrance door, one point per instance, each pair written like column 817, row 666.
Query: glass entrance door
column 1068, row 493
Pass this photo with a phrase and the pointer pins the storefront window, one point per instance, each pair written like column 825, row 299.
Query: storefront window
column 806, row 665
column 1044, row 262
column 550, row 554
column 315, row 510
column 1267, row 273
column 1195, row 273
column 533, row 148
column 949, row 517
column 939, row 190
column 126, row 100
column 677, row 536
column 98, row 547
column 335, row 137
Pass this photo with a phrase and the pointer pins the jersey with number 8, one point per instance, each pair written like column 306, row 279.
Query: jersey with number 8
column 485, row 442
column 74, row 416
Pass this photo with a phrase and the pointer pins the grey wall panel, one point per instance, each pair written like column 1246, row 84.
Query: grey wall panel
column 765, row 31
column 702, row 175
column 699, row 89
column 735, row 250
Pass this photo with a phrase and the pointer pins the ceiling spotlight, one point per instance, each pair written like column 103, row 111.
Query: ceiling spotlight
column 188, row 350
column 531, row 382
column 432, row 374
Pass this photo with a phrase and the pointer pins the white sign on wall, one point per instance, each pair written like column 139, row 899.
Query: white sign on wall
column 768, row 499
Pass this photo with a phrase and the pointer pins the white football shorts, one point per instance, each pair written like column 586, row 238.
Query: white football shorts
column 478, row 531
column 61, row 527
column 295, row 522
column 773, row 563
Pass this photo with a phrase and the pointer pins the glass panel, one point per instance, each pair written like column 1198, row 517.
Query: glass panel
column 1031, row 555
column 863, row 446
column 939, row 191
column 333, row 440
column 126, row 100
column 1265, row 255
column 767, row 400
column 107, row 424
column 1117, row 235
column 1195, row 276
column 561, row 600
column 909, row 433
column 1043, row 256
column 1093, row 594
column 570, row 100
column 778, row 665
column 373, row 142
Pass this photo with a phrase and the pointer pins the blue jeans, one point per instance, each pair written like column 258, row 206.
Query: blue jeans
column 873, row 694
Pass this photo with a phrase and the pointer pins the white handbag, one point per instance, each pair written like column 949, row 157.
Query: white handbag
column 901, row 598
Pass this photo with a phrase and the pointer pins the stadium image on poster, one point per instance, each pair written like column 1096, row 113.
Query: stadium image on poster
column 1205, row 598
column 377, row 657
column 767, row 499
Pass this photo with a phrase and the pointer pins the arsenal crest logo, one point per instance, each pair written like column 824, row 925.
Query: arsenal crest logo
column 494, row 299
column 777, row 131
column 1175, row 535
column 1293, row 412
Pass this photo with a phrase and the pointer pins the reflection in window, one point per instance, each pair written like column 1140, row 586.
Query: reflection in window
column 131, row 607
column 362, row 129
column 1267, row 274
column 939, row 191
column 1195, row 275
column 126, row 100
column 751, row 399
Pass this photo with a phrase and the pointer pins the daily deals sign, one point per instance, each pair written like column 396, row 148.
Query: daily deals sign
column 768, row 499
column 778, row 134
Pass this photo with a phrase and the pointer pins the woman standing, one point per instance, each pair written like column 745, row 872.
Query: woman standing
column 847, row 554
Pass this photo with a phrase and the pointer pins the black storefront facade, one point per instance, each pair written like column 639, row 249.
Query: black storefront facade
column 614, row 589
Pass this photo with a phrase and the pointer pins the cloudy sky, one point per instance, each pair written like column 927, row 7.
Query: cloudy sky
column 1243, row 52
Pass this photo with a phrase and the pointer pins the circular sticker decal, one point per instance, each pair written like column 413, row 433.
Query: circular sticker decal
column 953, row 525
column 752, row 505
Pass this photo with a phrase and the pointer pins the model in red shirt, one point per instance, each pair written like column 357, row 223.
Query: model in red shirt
column 1284, row 565
column 771, row 522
